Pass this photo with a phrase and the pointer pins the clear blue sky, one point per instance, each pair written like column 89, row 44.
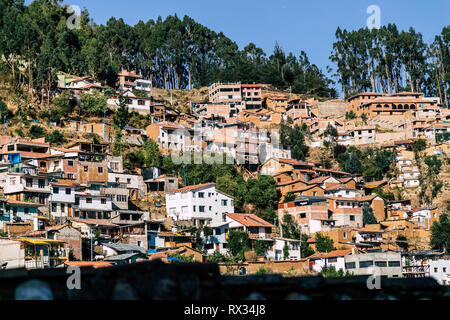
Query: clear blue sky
column 296, row 24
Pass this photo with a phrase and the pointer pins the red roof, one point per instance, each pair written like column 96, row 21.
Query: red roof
column 249, row 220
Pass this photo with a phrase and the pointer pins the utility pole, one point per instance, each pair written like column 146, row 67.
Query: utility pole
column 4, row 125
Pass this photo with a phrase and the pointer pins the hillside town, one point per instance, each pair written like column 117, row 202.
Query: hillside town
column 78, row 205
column 166, row 142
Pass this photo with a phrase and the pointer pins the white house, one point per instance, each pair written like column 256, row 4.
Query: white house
column 277, row 251
column 144, row 85
column 93, row 206
column 201, row 203
column 131, row 181
column 257, row 229
column 134, row 103
column 331, row 259
column 62, row 199
column 440, row 270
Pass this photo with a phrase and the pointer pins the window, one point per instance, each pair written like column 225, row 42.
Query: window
column 70, row 163
column 26, row 210
column 201, row 208
column 436, row 270
column 380, row 264
column 141, row 102
column 53, row 207
column 29, row 183
column 55, row 190
column 88, row 200
column 86, row 169
column 352, row 218
column 41, row 183
column 201, row 194
column 100, row 170
column 350, row 265
column 128, row 180
column 63, row 207
column 103, row 201
column 68, row 191
column 365, row 264
column 224, row 202
column 394, row 263
column 444, row 269
column 331, row 260
column 70, row 176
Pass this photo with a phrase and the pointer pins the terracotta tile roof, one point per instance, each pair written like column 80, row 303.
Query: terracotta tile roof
column 27, row 141
column 348, row 210
column 374, row 184
column 368, row 230
column 332, row 171
column 169, row 125
column 249, row 220
column 333, row 186
column 304, row 188
column 95, row 264
column 26, row 154
column 290, row 182
column 57, row 228
column 194, row 187
column 100, row 222
column 294, row 162
column 63, row 183
column 345, row 180
column 337, row 253
column 319, row 180
column 22, row 203
column 251, row 85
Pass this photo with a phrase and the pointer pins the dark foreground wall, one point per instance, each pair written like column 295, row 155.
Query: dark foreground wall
column 156, row 280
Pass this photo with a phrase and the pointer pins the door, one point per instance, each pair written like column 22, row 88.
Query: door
column 69, row 208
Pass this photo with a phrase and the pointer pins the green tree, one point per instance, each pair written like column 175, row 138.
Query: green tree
column 260, row 248
column 350, row 115
column 401, row 241
column 419, row 145
column 289, row 197
column 37, row 131
column 330, row 272
column 56, row 137
column 95, row 103
column 294, row 137
column 440, row 233
column 237, row 244
column 122, row 116
column 262, row 192
column 353, row 164
column 286, row 252
column 63, row 106
column 306, row 250
column 324, row 243
column 368, row 216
